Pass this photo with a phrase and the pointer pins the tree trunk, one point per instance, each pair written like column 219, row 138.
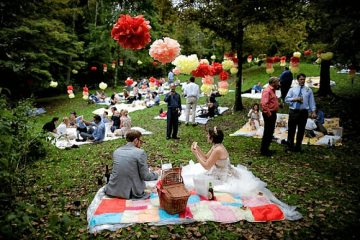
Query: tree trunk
column 239, row 45
column 325, row 79
column 74, row 5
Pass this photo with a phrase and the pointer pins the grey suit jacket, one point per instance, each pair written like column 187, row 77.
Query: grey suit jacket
column 130, row 171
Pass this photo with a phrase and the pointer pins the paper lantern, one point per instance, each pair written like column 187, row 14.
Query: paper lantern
column 269, row 70
column 139, row 62
column 208, row 80
column 213, row 57
column 224, row 76
column 131, row 32
column 74, row 71
column 71, row 95
column 53, row 84
column 121, row 62
column 129, row 82
column 113, row 64
column 223, row 91
column 216, row 68
column 223, row 84
column 165, row 51
column 105, row 68
column 249, row 59
column 70, row 87
column 202, row 70
column 234, row 71
column 206, row 88
column 69, row 91
column 297, row 54
column 93, row 68
column 186, row 64
column 155, row 63
column 176, row 71
column 227, row 64
column 85, row 97
column 102, row 85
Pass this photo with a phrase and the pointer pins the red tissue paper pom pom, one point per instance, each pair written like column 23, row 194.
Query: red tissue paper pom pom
column 230, row 55
column 93, row 68
column 216, row 68
column 202, row 70
column 276, row 59
column 131, row 32
column 152, row 79
column 224, row 76
column 307, row 53
column 294, row 59
column 283, row 58
column 155, row 63
column 70, row 87
column 269, row 60
column 129, row 82
column 311, row 52
column 85, row 89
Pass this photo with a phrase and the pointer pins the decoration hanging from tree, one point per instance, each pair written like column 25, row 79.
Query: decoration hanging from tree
column 70, row 91
column 176, row 71
column 155, row 63
column 216, row 68
column 206, row 88
column 53, row 84
column 249, row 59
column 85, row 93
column 152, row 81
column 186, row 64
column 139, row 62
column 121, row 62
column 283, row 61
column 129, row 81
column 105, row 68
column 327, row 56
column 227, row 64
column 131, row 32
column 93, row 69
column 276, row 59
column 224, row 76
column 204, row 61
column 202, row 70
column 269, row 66
column 234, row 71
column 297, row 54
column 164, row 51
column 113, row 64
column 207, row 81
column 102, row 85
column 213, row 57
column 294, row 64
column 74, row 71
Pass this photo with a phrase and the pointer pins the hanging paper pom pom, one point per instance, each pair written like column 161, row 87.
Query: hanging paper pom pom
column 113, row 64
column 227, row 64
column 294, row 69
column 224, row 76
column 139, row 62
column 202, row 70
column 276, row 59
column 129, row 82
column 269, row 65
column 186, row 64
column 307, row 53
column 283, row 61
column 93, row 68
column 85, row 89
column 85, row 97
column 164, row 51
column 155, row 63
column 71, row 95
column 69, row 91
column 223, row 91
column 131, row 32
column 269, row 60
column 297, row 54
column 206, row 88
column 318, row 61
column 213, row 57
column 234, row 71
column 70, row 87
column 74, row 71
column 176, row 71
column 152, row 80
column 53, row 84
column 152, row 88
column 102, row 85
column 216, row 68
column 269, row 70
column 105, row 68
column 207, row 80
column 204, row 61
column 327, row 56
column 294, row 60
column 249, row 59
column 85, row 93
column 223, row 84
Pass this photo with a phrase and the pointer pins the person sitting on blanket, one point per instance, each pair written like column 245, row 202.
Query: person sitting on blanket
column 130, row 170
column 50, row 126
column 113, row 99
column 61, row 129
column 137, row 95
column 319, row 120
column 113, row 109
column 105, row 117
column 212, row 109
column 160, row 89
column 126, row 95
column 154, row 98
column 97, row 134
column 77, row 123
column 257, row 88
column 254, row 115
column 115, row 119
column 125, row 124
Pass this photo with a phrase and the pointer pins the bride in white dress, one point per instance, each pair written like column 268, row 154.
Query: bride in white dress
column 215, row 167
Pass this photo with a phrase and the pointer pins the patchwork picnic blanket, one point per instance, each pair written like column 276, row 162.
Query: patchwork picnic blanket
column 135, row 106
column 200, row 120
column 112, row 213
column 281, row 132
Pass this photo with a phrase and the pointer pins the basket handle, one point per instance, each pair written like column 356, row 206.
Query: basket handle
column 171, row 172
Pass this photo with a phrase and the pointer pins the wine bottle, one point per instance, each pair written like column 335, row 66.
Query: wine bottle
column 107, row 174
column 100, row 180
column 211, row 192
column 329, row 144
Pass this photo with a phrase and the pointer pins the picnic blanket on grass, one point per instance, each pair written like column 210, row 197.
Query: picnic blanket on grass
column 281, row 132
column 112, row 213
column 135, row 106
column 200, row 120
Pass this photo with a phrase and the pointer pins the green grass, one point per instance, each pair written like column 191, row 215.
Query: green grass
column 323, row 183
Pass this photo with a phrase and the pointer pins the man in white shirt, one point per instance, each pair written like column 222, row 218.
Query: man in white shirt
column 192, row 96
column 184, row 86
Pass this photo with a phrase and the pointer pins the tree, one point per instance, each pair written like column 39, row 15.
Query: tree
column 229, row 19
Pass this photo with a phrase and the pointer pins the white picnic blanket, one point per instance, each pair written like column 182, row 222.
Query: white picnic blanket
column 346, row 71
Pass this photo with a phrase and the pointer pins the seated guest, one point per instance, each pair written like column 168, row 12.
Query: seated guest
column 147, row 95
column 137, row 83
column 130, row 170
column 156, row 99
column 97, row 134
column 103, row 95
column 50, row 126
column 137, row 96
column 126, row 94
column 113, row 109
column 177, row 82
column 113, row 99
column 212, row 109
column 160, row 89
column 125, row 124
column 105, row 117
column 115, row 119
column 257, row 88
column 319, row 120
column 61, row 129
column 254, row 115
column 77, row 123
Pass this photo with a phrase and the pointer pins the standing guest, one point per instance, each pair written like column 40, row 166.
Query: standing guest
column 257, row 88
column 174, row 111
column 270, row 105
column 170, row 77
column 192, row 97
column 184, row 86
column 286, row 78
column 125, row 124
column 50, row 126
column 130, row 170
column 115, row 119
column 97, row 134
column 301, row 100
column 160, row 89
column 105, row 117
column 319, row 119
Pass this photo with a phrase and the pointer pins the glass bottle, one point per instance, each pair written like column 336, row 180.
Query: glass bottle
column 107, row 174
column 329, row 144
column 211, row 192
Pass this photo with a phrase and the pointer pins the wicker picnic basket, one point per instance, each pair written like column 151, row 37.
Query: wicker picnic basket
column 172, row 192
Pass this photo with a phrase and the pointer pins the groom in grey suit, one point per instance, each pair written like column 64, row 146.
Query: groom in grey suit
column 130, row 170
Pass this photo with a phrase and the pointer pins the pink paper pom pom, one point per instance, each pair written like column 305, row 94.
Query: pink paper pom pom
column 208, row 80
column 164, row 51
column 176, row 71
column 223, row 84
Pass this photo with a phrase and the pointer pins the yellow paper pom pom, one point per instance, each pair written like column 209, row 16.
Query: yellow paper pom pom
column 186, row 64
column 234, row 70
column 269, row 70
column 206, row 88
column 74, row 71
column 53, row 84
column 283, row 64
column 139, row 62
column 204, row 61
column 318, row 60
column 227, row 64
column 294, row 69
column 152, row 88
column 71, row 95
column 327, row 56
column 223, row 91
column 213, row 57
column 297, row 54
column 102, row 85
column 85, row 97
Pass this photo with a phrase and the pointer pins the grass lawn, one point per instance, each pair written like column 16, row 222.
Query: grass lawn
column 323, row 183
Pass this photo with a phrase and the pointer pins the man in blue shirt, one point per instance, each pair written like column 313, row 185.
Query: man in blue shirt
column 257, row 88
column 301, row 100
column 94, row 135
column 285, row 81
column 156, row 99
column 170, row 77
column 174, row 111
column 319, row 120
column 105, row 117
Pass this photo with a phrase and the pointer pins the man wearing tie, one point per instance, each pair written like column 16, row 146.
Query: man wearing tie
column 301, row 100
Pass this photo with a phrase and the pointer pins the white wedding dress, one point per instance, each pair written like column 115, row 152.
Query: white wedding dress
column 235, row 180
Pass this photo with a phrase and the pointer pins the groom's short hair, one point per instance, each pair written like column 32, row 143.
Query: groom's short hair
column 132, row 135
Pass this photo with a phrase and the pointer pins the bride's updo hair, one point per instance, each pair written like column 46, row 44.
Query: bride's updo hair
column 216, row 135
